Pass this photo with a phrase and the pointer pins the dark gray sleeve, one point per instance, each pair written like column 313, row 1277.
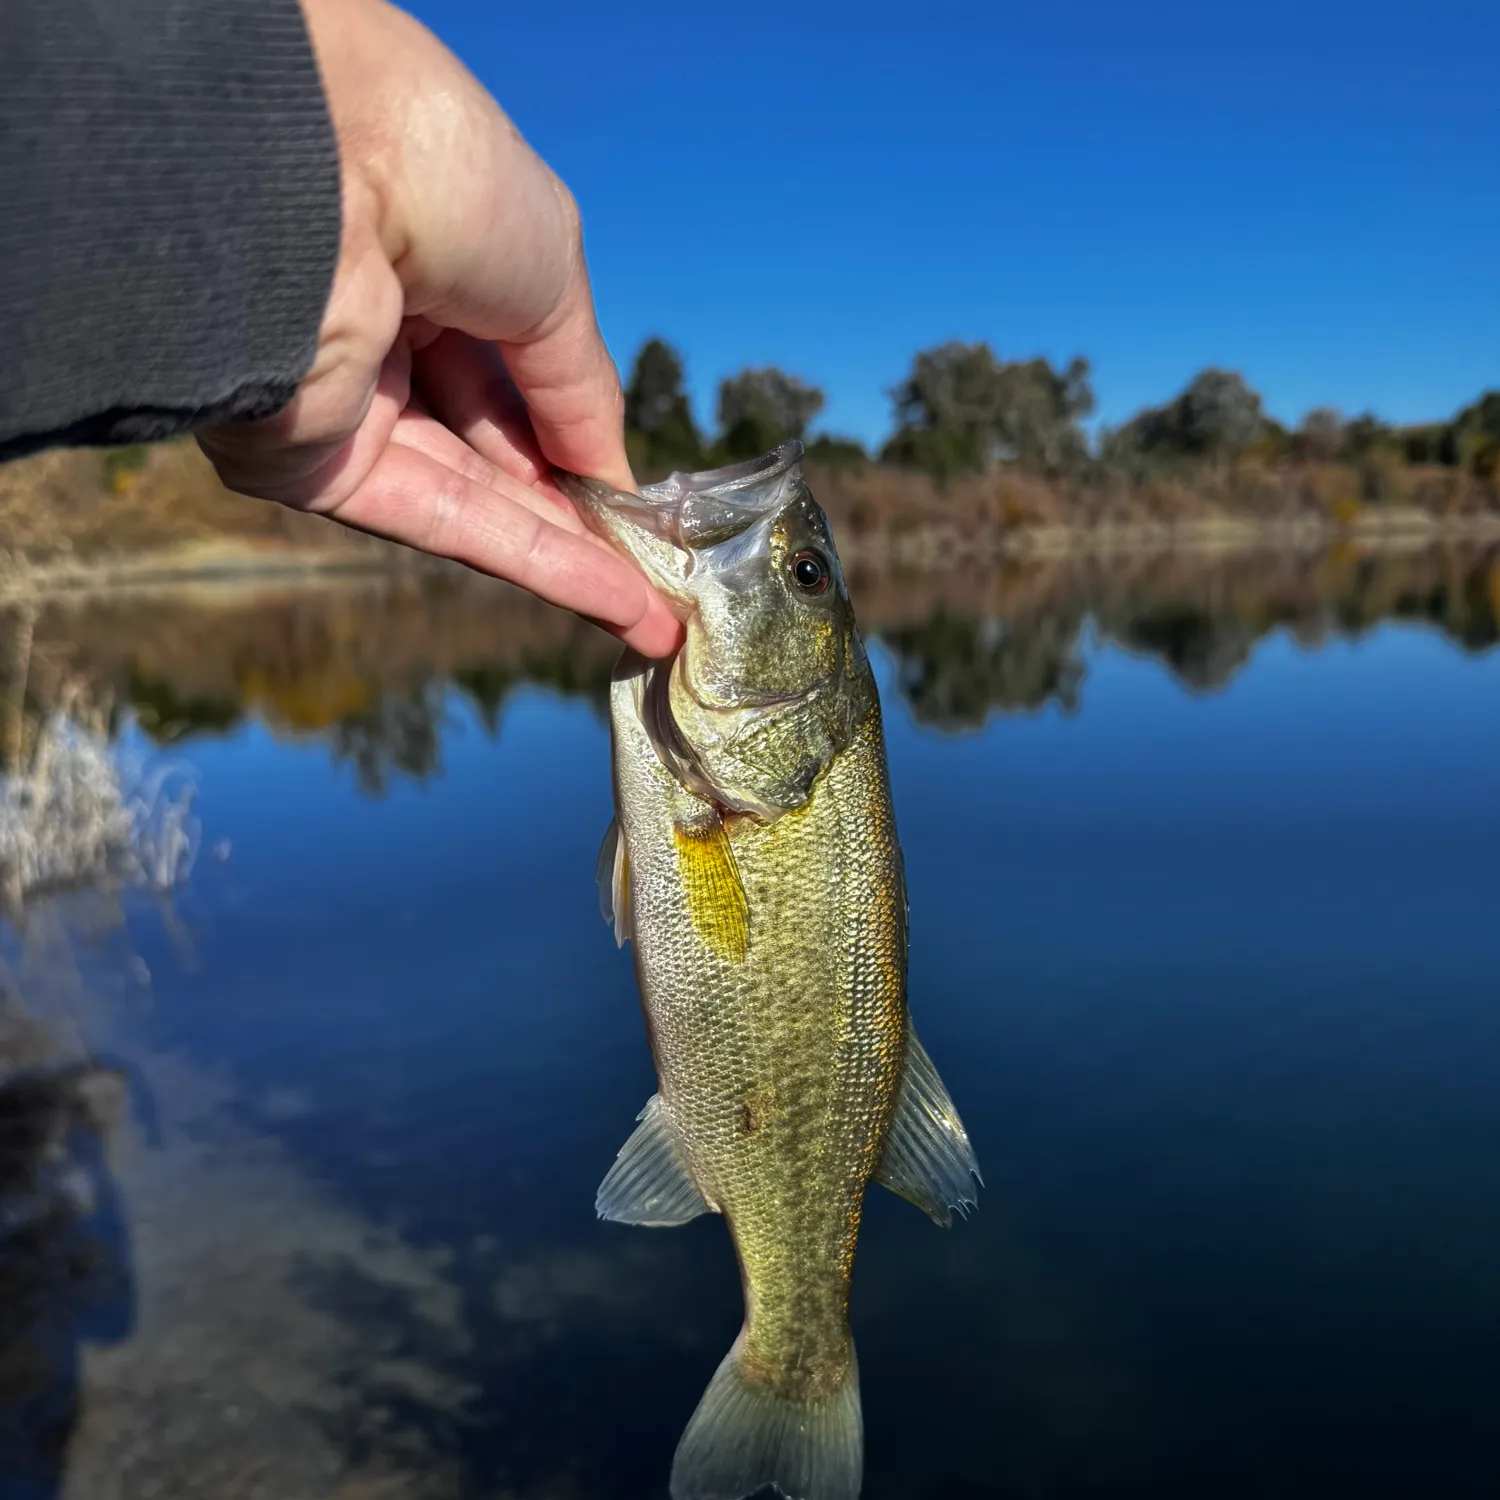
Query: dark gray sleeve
column 169, row 216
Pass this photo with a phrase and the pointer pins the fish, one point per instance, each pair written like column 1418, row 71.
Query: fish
column 753, row 865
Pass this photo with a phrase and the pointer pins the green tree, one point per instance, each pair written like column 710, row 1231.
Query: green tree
column 1477, row 435
column 1365, row 435
column 1219, row 414
column 1429, row 443
column 1216, row 416
column 1320, row 435
column 831, row 452
column 1274, row 442
column 951, row 392
column 941, row 452
column 962, row 409
column 760, row 409
column 659, row 427
column 1037, row 422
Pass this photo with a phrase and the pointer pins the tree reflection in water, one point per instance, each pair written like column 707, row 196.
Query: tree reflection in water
column 400, row 735
column 955, row 672
column 372, row 669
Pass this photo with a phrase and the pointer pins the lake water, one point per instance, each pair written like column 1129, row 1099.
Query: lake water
column 1205, row 916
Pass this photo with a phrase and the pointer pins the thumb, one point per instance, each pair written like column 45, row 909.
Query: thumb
column 482, row 234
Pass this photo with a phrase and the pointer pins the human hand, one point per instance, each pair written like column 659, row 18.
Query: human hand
column 459, row 356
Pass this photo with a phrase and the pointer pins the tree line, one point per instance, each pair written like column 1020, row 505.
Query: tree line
column 963, row 410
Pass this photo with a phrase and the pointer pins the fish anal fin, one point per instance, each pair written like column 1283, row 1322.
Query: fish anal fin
column 612, row 875
column 928, row 1159
column 650, row 1183
column 711, row 884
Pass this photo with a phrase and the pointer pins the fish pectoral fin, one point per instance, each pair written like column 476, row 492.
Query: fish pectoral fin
column 650, row 1182
column 928, row 1159
column 612, row 875
column 712, row 887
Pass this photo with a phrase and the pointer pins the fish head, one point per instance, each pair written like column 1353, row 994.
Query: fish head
column 772, row 680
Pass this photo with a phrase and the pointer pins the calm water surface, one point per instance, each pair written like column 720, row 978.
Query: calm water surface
column 1212, row 976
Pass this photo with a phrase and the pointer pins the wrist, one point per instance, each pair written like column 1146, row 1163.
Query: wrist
column 352, row 43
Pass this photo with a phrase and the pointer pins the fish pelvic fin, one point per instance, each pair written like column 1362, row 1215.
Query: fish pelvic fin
column 650, row 1183
column 745, row 1436
column 612, row 875
column 928, row 1159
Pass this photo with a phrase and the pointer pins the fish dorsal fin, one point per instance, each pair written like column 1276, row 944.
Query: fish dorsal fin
column 928, row 1159
column 650, row 1183
column 612, row 875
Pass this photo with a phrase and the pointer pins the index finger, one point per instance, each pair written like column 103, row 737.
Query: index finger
column 569, row 382
column 412, row 497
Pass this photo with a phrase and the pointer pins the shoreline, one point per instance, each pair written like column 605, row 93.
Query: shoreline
column 307, row 643
column 234, row 564
column 1392, row 531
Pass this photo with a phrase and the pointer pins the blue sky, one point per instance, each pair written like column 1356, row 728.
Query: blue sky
column 1306, row 192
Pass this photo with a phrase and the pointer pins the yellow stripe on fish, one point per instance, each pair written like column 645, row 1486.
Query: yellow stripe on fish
column 711, row 884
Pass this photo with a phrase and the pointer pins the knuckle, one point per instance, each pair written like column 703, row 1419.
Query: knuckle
column 572, row 218
column 477, row 469
column 443, row 508
column 529, row 551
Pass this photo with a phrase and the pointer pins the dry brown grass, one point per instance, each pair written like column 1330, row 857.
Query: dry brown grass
column 90, row 505
column 76, row 810
column 94, row 508
column 885, row 517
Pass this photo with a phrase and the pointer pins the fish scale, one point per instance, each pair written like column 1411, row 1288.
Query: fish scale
column 755, row 867
column 786, row 1131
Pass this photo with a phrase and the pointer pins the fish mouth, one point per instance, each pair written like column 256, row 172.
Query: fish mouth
column 698, row 510
column 667, row 524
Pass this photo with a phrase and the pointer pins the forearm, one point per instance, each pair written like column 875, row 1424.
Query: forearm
column 169, row 216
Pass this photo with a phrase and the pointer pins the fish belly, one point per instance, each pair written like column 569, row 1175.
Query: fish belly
column 777, row 1021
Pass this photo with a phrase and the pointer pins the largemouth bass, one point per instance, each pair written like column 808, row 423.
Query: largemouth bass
column 754, row 865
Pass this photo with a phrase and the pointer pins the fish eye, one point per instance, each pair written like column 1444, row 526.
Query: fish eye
column 810, row 570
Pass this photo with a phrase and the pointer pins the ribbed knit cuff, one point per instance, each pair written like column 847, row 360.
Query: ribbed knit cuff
column 169, row 216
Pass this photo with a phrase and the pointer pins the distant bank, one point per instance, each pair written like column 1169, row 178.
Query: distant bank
column 89, row 518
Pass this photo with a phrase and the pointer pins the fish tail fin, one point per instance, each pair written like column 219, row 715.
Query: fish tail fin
column 743, row 1437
